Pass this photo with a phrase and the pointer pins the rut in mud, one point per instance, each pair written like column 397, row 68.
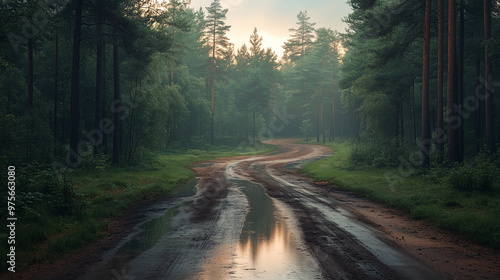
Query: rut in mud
column 254, row 217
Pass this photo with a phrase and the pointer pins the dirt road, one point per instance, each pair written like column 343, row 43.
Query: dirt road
column 256, row 218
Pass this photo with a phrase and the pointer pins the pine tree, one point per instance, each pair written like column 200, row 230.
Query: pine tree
column 426, row 132
column 75, row 85
column 256, row 45
column 302, row 38
column 215, row 36
column 451, row 96
column 488, row 101
column 440, row 130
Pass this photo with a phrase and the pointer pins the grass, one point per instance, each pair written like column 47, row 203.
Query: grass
column 101, row 196
column 475, row 215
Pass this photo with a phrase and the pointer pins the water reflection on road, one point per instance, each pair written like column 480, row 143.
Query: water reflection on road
column 267, row 246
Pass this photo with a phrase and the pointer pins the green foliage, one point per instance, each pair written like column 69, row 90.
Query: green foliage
column 476, row 175
column 474, row 214
column 44, row 189
column 301, row 40
column 374, row 153
column 306, row 128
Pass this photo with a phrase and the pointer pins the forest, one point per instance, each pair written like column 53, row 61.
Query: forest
column 90, row 87
column 119, row 80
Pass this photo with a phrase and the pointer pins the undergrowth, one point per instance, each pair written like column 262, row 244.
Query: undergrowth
column 462, row 198
column 60, row 211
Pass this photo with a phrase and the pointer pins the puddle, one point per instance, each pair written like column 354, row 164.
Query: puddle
column 267, row 247
column 403, row 263
column 186, row 190
column 146, row 236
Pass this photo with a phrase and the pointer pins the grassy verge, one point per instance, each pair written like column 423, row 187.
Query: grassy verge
column 475, row 215
column 95, row 196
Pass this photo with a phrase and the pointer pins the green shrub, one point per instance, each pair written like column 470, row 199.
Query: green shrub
column 93, row 162
column 43, row 188
column 374, row 153
column 477, row 175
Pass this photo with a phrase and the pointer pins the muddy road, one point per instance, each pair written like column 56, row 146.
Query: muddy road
column 256, row 218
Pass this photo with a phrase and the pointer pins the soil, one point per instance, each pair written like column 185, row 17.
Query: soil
column 216, row 214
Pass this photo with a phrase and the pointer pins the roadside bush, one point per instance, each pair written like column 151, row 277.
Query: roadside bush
column 477, row 175
column 43, row 188
column 374, row 153
column 93, row 162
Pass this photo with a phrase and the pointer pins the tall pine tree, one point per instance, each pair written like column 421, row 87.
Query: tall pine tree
column 302, row 38
column 215, row 36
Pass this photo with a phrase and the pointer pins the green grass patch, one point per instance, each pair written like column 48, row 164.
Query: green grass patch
column 474, row 214
column 94, row 196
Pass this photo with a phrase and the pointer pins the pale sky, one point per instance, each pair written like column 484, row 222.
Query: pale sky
column 273, row 18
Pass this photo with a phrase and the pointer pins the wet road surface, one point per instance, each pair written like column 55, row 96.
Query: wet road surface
column 250, row 218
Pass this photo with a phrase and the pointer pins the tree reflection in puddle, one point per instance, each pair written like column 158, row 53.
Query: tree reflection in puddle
column 267, row 246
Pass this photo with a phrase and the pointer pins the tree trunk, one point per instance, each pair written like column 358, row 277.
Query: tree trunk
column 451, row 105
column 317, row 121
column 253, row 128
column 56, row 89
column 332, row 119
column 75, row 86
column 477, row 97
column 425, row 149
column 323, row 102
column 99, row 92
column 440, row 81
column 323, row 121
column 488, row 101
column 212, row 137
column 117, row 131
column 460, row 84
column 105, row 136
column 413, row 118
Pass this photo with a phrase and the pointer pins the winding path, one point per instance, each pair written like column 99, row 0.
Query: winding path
column 255, row 217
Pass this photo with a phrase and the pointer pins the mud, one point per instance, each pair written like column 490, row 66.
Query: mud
column 255, row 217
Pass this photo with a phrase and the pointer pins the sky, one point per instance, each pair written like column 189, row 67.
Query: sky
column 273, row 18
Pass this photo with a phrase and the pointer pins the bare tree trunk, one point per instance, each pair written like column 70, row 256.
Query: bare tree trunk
column 75, row 86
column 425, row 149
column 488, row 102
column 212, row 137
column 477, row 112
column 332, row 118
column 117, row 97
column 253, row 129
column 323, row 120
column 317, row 121
column 413, row 118
column 451, row 100
column 105, row 136
column 460, row 84
column 99, row 92
column 440, row 81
